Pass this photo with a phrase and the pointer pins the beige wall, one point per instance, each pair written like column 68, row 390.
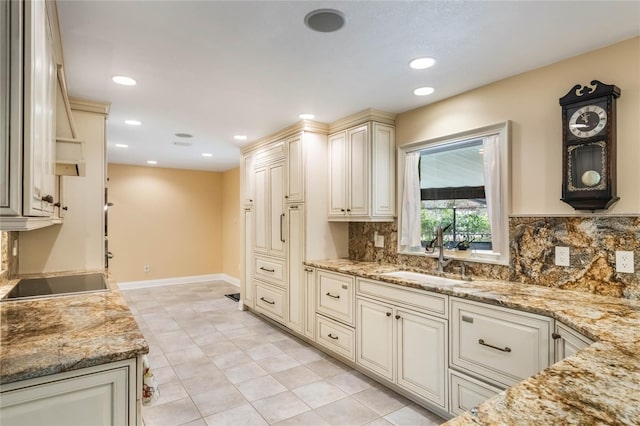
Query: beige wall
column 77, row 244
column 231, row 260
column 530, row 101
column 170, row 219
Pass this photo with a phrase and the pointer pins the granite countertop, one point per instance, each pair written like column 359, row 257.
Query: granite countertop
column 598, row 385
column 51, row 335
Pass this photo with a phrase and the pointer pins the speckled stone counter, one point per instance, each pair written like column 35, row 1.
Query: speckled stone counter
column 598, row 385
column 50, row 335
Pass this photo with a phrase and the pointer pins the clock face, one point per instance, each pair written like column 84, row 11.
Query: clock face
column 588, row 121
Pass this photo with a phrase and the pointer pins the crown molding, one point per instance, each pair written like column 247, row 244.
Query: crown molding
column 363, row 117
column 294, row 129
column 87, row 105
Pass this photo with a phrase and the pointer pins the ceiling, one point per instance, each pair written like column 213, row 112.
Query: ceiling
column 215, row 69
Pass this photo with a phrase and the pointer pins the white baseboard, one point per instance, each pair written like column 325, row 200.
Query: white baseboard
column 130, row 285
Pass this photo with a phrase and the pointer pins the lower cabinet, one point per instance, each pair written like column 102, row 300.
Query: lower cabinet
column 336, row 337
column 568, row 341
column 403, row 346
column 466, row 392
column 102, row 395
column 270, row 301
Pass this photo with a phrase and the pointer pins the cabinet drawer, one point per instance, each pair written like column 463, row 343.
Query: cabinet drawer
column 467, row 392
column 335, row 336
column 430, row 302
column 271, row 270
column 335, row 296
column 502, row 344
column 270, row 301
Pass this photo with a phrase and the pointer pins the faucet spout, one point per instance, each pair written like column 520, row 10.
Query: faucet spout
column 442, row 261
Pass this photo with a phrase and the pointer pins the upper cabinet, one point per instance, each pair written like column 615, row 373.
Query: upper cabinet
column 362, row 172
column 27, row 186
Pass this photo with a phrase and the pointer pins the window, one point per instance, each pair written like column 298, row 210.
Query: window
column 461, row 185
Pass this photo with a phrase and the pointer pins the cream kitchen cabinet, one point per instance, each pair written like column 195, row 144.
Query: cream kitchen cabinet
column 568, row 341
column 404, row 346
column 103, row 395
column 285, row 224
column 362, row 173
column 28, row 116
column 269, row 227
column 498, row 345
column 466, row 392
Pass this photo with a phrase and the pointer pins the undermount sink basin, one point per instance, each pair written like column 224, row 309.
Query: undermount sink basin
column 423, row 278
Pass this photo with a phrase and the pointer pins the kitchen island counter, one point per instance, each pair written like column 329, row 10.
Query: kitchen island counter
column 598, row 385
column 49, row 335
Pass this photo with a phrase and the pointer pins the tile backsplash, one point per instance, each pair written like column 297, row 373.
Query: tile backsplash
column 592, row 241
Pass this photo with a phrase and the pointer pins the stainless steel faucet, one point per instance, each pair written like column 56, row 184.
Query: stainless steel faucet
column 442, row 262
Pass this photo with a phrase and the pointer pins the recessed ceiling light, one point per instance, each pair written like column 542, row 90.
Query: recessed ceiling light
column 422, row 63
column 121, row 145
column 423, row 91
column 184, row 135
column 152, row 162
column 240, row 137
column 124, row 80
column 306, row 116
column 207, row 154
column 325, row 20
column 182, row 143
column 133, row 122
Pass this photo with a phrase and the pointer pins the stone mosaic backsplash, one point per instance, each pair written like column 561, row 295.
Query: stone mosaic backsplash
column 592, row 242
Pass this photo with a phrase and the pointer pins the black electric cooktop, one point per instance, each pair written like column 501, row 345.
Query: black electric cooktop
column 57, row 286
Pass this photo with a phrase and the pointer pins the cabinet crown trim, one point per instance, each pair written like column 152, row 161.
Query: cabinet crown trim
column 361, row 118
column 87, row 105
column 294, row 129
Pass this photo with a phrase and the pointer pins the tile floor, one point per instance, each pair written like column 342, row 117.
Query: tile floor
column 216, row 365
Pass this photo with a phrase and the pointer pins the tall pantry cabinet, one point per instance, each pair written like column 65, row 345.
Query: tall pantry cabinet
column 284, row 202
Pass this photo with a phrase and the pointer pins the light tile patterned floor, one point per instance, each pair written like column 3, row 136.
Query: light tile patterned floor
column 217, row 365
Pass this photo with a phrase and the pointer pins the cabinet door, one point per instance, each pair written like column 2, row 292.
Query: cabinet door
column 337, row 175
column 374, row 334
column 94, row 399
column 296, row 278
column 247, row 174
column 383, row 191
column 310, row 294
column 422, row 355
column 358, row 171
column 261, row 232
column 10, row 107
column 295, row 170
column 39, row 112
column 568, row 341
column 277, row 224
column 247, row 282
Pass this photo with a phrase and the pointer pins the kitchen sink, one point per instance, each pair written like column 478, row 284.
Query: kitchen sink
column 31, row 288
column 423, row 278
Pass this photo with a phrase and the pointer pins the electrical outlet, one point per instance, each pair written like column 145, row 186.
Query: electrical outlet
column 379, row 241
column 624, row 262
column 147, row 268
column 562, row 256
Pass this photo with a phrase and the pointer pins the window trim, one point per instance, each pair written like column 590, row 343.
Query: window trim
column 503, row 130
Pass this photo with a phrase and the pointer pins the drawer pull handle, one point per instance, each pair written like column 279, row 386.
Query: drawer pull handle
column 262, row 268
column 308, row 270
column 332, row 296
column 505, row 349
column 267, row 301
column 388, row 314
column 556, row 336
column 331, row 336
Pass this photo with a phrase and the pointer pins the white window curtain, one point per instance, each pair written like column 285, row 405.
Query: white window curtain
column 411, row 225
column 493, row 189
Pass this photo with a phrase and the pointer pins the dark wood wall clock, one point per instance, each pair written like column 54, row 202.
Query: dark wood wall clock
column 589, row 146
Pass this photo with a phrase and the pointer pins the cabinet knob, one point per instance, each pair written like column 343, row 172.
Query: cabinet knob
column 398, row 317
column 556, row 336
column 250, row 200
column 348, row 210
column 65, row 208
column 388, row 314
column 57, row 204
column 286, row 196
column 342, row 210
column 47, row 198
